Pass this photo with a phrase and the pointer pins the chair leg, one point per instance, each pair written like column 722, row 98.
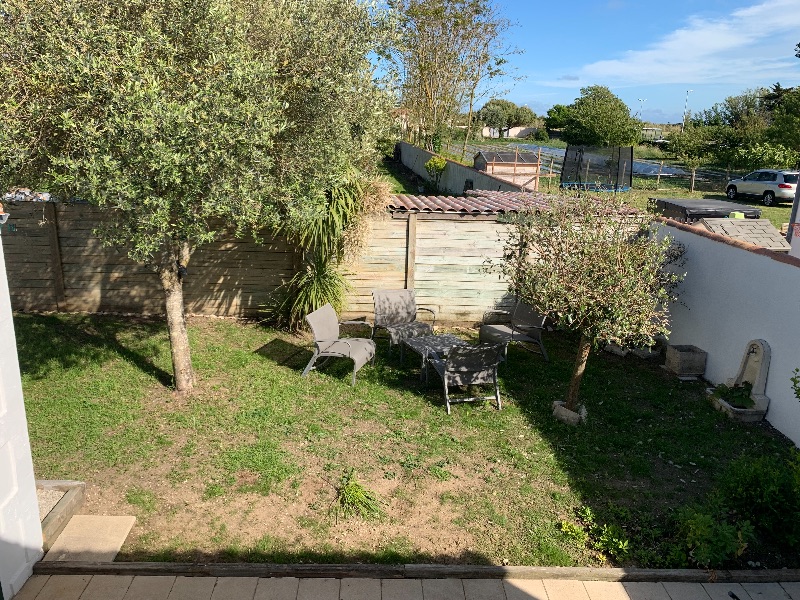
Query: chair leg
column 544, row 352
column 353, row 383
column 497, row 391
column 310, row 364
column 446, row 396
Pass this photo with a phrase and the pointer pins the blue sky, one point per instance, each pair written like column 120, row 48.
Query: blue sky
column 653, row 51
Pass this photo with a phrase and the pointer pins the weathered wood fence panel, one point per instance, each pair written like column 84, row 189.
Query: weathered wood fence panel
column 443, row 259
column 382, row 265
column 55, row 262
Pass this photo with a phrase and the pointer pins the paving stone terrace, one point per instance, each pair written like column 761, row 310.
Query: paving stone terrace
column 149, row 587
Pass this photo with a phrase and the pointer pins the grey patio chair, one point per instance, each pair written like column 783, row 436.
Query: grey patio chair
column 467, row 366
column 327, row 343
column 396, row 312
column 523, row 326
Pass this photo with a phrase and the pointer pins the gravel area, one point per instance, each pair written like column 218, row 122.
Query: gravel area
column 47, row 500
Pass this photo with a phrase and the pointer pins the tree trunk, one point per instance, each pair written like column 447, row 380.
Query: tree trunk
column 585, row 345
column 469, row 125
column 171, row 275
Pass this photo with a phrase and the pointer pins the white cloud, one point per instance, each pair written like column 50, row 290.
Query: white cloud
column 750, row 46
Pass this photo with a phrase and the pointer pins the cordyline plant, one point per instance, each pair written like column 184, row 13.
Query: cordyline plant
column 595, row 267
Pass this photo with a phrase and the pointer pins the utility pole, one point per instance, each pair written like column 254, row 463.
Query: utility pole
column 641, row 106
column 685, row 108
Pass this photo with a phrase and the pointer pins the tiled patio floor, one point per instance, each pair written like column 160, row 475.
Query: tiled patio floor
column 126, row 587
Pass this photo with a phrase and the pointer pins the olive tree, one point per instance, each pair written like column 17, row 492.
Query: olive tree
column 595, row 267
column 182, row 117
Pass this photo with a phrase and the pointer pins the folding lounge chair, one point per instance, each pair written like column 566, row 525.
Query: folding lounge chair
column 327, row 343
column 523, row 326
column 469, row 365
column 396, row 312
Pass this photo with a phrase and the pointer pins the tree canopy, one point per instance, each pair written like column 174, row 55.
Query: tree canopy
column 613, row 285
column 187, row 118
column 599, row 118
column 504, row 114
column 449, row 54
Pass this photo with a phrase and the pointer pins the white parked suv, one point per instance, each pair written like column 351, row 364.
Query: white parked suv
column 769, row 185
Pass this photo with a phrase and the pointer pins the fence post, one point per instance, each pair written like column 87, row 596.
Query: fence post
column 658, row 179
column 56, row 264
column 411, row 250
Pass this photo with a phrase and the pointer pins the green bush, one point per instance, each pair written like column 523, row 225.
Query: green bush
column 541, row 135
column 766, row 491
column 435, row 167
column 710, row 538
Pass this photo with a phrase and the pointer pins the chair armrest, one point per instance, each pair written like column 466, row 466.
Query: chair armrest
column 430, row 310
column 364, row 323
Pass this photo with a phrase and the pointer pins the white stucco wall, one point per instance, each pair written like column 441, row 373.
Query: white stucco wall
column 733, row 295
column 20, row 529
column 454, row 174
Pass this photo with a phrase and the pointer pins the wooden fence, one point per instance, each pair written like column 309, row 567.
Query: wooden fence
column 442, row 256
column 54, row 262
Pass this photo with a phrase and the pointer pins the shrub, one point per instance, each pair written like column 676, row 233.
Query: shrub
column 710, row 538
column 435, row 167
column 352, row 498
column 766, row 491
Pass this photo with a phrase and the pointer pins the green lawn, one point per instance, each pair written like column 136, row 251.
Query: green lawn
column 247, row 468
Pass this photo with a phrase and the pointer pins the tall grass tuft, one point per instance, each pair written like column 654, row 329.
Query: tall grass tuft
column 352, row 498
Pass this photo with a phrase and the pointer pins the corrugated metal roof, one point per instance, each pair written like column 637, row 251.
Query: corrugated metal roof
column 760, row 232
column 508, row 157
column 481, row 202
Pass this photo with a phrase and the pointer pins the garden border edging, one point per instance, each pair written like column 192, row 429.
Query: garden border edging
column 412, row 571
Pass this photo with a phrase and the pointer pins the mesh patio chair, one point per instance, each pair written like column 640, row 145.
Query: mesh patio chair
column 327, row 343
column 523, row 326
column 468, row 366
column 396, row 312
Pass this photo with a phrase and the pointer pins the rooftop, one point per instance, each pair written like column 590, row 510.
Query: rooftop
column 477, row 202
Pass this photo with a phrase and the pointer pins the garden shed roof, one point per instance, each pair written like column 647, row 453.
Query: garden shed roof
column 477, row 202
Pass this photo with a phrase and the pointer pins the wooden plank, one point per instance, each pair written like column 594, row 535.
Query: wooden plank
column 411, row 251
column 55, row 254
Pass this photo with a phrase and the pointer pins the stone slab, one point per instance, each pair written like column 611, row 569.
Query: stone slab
column 150, row 587
column 277, row 588
column 605, row 590
column 235, row 588
column 524, row 589
column 107, row 587
column 360, row 588
column 324, row 588
column 686, row 591
column 442, row 589
column 564, row 589
column 32, row 587
column 192, row 588
column 793, row 589
column 645, row 590
column 401, row 589
column 91, row 538
column 719, row 591
column 483, row 589
column 64, row 587
column 765, row 591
